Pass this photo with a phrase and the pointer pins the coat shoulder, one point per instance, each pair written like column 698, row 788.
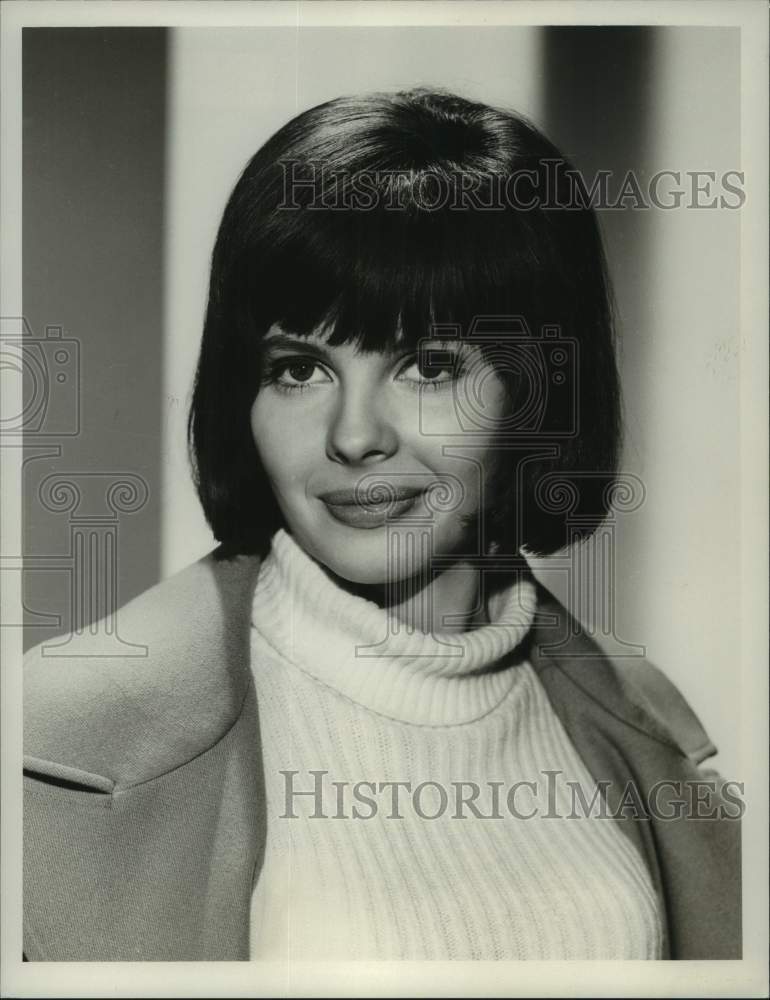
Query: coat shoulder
column 656, row 692
column 631, row 689
column 114, row 710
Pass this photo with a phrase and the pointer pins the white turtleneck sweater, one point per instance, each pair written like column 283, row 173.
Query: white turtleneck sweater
column 392, row 855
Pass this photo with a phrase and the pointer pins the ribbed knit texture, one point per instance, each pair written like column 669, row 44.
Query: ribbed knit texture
column 343, row 698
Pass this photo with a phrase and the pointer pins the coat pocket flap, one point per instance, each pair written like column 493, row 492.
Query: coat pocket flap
column 64, row 775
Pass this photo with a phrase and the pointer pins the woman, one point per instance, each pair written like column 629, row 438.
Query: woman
column 363, row 729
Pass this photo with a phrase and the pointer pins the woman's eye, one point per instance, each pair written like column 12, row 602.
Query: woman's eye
column 297, row 373
column 432, row 368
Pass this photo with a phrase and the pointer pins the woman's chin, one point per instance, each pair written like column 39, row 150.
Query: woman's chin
column 375, row 557
column 357, row 562
column 368, row 559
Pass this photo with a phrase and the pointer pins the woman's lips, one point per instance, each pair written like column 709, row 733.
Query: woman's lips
column 345, row 508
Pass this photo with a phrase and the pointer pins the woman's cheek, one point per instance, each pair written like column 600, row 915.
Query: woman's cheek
column 285, row 438
column 268, row 432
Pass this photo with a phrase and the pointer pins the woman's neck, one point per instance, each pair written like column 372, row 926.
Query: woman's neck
column 449, row 601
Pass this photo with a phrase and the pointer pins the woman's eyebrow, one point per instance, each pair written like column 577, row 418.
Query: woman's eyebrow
column 292, row 343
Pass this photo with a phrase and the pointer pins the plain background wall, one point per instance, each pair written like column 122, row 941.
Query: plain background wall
column 652, row 99
column 679, row 573
column 93, row 185
column 618, row 98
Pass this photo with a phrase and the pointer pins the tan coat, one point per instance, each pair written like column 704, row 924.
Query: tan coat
column 144, row 824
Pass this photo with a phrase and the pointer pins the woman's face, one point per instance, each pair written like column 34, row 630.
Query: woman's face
column 360, row 448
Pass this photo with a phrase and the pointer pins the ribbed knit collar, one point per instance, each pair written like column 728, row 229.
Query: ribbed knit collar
column 351, row 644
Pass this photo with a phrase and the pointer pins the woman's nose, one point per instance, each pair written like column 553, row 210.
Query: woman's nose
column 360, row 431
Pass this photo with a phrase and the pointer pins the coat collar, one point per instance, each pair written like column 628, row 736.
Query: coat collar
column 632, row 691
column 128, row 719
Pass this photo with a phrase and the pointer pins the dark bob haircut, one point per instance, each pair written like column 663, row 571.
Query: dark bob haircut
column 389, row 214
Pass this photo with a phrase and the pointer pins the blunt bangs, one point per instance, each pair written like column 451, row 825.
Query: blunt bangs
column 368, row 278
